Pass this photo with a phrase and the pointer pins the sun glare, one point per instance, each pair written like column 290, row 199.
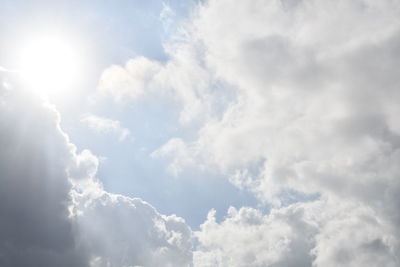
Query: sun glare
column 49, row 64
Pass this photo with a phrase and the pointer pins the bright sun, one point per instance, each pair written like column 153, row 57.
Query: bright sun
column 49, row 64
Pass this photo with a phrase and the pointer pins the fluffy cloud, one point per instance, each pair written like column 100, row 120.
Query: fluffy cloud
column 316, row 101
column 247, row 238
column 317, row 105
column 312, row 110
column 129, row 82
column 54, row 210
column 122, row 231
column 105, row 125
column 319, row 233
column 183, row 78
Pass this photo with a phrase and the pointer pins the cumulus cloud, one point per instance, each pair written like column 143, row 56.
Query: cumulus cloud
column 54, row 210
column 247, row 238
column 314, row 104
column 105, row 125
column 122, row 231
column 317, row 105
column 319, row 233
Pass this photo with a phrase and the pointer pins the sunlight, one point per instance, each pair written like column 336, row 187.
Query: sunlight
column 49, row 64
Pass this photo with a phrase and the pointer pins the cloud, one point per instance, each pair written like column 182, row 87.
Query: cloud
column 54, row 210
column 319, row 233
column 315, row 104
column 312, row 111
column 315, row 96
column 105, row 125
column 183, row 78
column 35, row 226
column 313, row 100
column 128, row 82
column 182, row 158
column 248, row 238
column 167, row 17
column 296, row 100
column 122, row 231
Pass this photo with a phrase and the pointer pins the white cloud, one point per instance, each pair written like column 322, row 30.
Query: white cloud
column 247, row 238
column 122, row 231
column 319, row 233
column 182, row 78
column 106, row 125
column 315, row 96
column 129, row 82
column 314, row 100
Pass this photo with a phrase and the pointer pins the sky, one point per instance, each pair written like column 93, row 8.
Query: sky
column 199, row 133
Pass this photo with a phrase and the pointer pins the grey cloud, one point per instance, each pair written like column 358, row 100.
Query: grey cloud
column 54, row 210
column 35, row 228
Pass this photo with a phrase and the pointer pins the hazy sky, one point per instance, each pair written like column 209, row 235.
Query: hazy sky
column 199, row 133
